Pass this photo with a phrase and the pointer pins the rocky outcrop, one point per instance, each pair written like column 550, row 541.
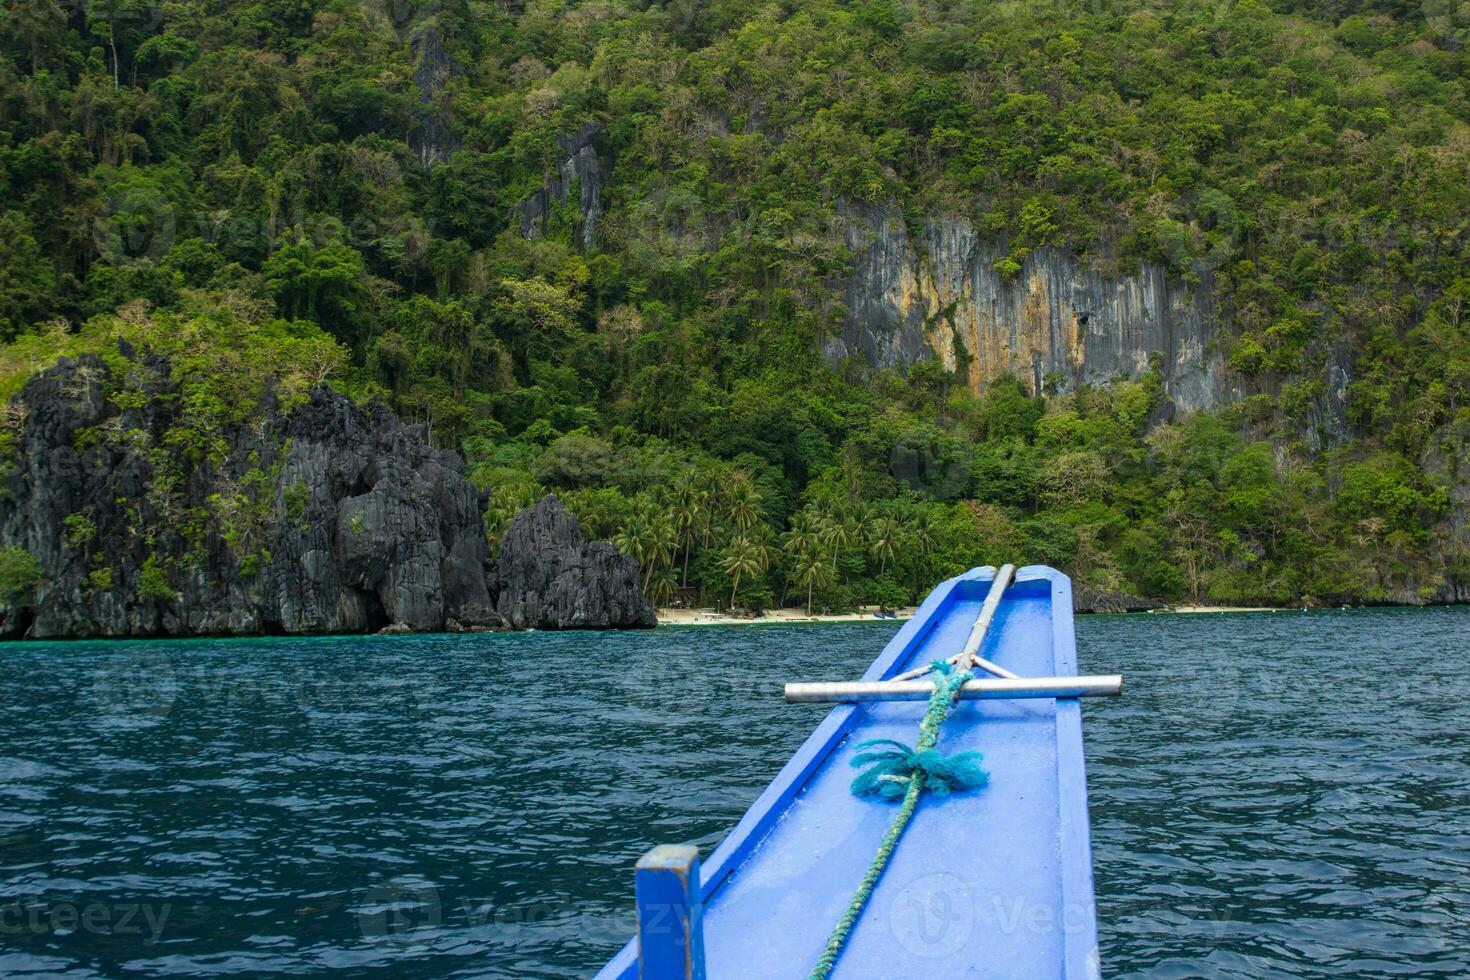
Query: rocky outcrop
column 548, row 576
column 327, row 518
column 1061, row 318
column 1086, row 599
column 580, row 170
column 1326, row 422
column 432, row 137
column 1445, row 576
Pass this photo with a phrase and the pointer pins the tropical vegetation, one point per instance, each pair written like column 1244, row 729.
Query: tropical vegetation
column 244, row 187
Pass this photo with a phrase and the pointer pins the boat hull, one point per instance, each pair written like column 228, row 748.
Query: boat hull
column 991, row 883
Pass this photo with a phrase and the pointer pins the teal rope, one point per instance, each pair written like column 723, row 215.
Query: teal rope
column 900, row 772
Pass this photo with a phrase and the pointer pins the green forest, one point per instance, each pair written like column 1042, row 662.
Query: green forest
column 281, row 193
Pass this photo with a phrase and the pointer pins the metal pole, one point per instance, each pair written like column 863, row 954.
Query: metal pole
column 971, row 653
column 1000, row 688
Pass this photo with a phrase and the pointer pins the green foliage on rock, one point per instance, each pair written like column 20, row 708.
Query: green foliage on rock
column 153, row 583
column 79, row 530
column 20, row 575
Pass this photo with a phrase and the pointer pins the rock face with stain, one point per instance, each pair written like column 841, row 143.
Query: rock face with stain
column 580, row 170
column 1060, row 319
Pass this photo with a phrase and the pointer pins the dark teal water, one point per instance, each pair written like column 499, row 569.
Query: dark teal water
column 1276, row 795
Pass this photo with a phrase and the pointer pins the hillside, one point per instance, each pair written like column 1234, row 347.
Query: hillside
column 806, row 302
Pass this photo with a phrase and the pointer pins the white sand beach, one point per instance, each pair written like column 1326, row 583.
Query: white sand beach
column 711, row 617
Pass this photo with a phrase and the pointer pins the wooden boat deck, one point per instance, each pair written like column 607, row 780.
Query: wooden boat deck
column 992, row 883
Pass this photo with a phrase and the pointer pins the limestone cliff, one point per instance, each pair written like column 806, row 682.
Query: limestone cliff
column 432, row 137
column 1061, row 318
column 325, row 518
column 580, row 170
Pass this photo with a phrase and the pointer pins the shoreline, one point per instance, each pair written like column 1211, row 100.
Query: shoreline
column 678, row 617
column 712, row 617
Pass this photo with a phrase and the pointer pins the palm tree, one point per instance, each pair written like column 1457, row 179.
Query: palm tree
column 712, row 489
column 836, row 534
column 810, row 571
column 760, row 539
column 660, row 545
column 741, row 558
column 921, row 534
column 661, row 586
column 884, row 540
column 745, row 502
column 633, row 540
column 922, row 531
column 688, row 517
column 804, row 536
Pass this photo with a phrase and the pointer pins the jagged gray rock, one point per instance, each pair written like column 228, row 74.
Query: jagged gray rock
column 1086, row 599
column 548, row 576
column 579, row 168
column 327, row 519
column 941, row 296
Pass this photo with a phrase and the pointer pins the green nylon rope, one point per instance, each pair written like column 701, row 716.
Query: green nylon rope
column 917, row 768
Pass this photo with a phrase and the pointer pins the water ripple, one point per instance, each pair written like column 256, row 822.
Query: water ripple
column 1276, row 796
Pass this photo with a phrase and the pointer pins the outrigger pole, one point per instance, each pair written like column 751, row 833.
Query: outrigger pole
column 970, row 655
column 1101, row 685
column 1004, row 685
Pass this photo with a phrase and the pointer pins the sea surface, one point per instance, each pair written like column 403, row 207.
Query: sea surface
column 1276, row 795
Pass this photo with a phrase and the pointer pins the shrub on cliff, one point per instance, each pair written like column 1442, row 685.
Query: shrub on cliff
column 20, row 574
column 153, row 585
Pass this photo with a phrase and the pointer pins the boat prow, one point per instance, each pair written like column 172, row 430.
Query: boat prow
column 995, row 882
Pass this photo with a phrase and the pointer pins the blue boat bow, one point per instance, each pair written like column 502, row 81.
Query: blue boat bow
column 991, row 883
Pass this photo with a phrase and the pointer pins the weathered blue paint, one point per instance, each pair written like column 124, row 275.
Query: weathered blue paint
column 996, row 883
column 670, row 914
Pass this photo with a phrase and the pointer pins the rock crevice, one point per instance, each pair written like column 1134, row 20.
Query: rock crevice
column 432, row 138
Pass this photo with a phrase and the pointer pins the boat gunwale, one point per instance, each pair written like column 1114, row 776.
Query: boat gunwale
column 1079, row 938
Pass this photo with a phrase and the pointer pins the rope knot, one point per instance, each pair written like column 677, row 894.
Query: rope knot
column 893, row 766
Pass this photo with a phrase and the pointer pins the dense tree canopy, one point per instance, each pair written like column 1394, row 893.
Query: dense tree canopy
column 252, row 176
